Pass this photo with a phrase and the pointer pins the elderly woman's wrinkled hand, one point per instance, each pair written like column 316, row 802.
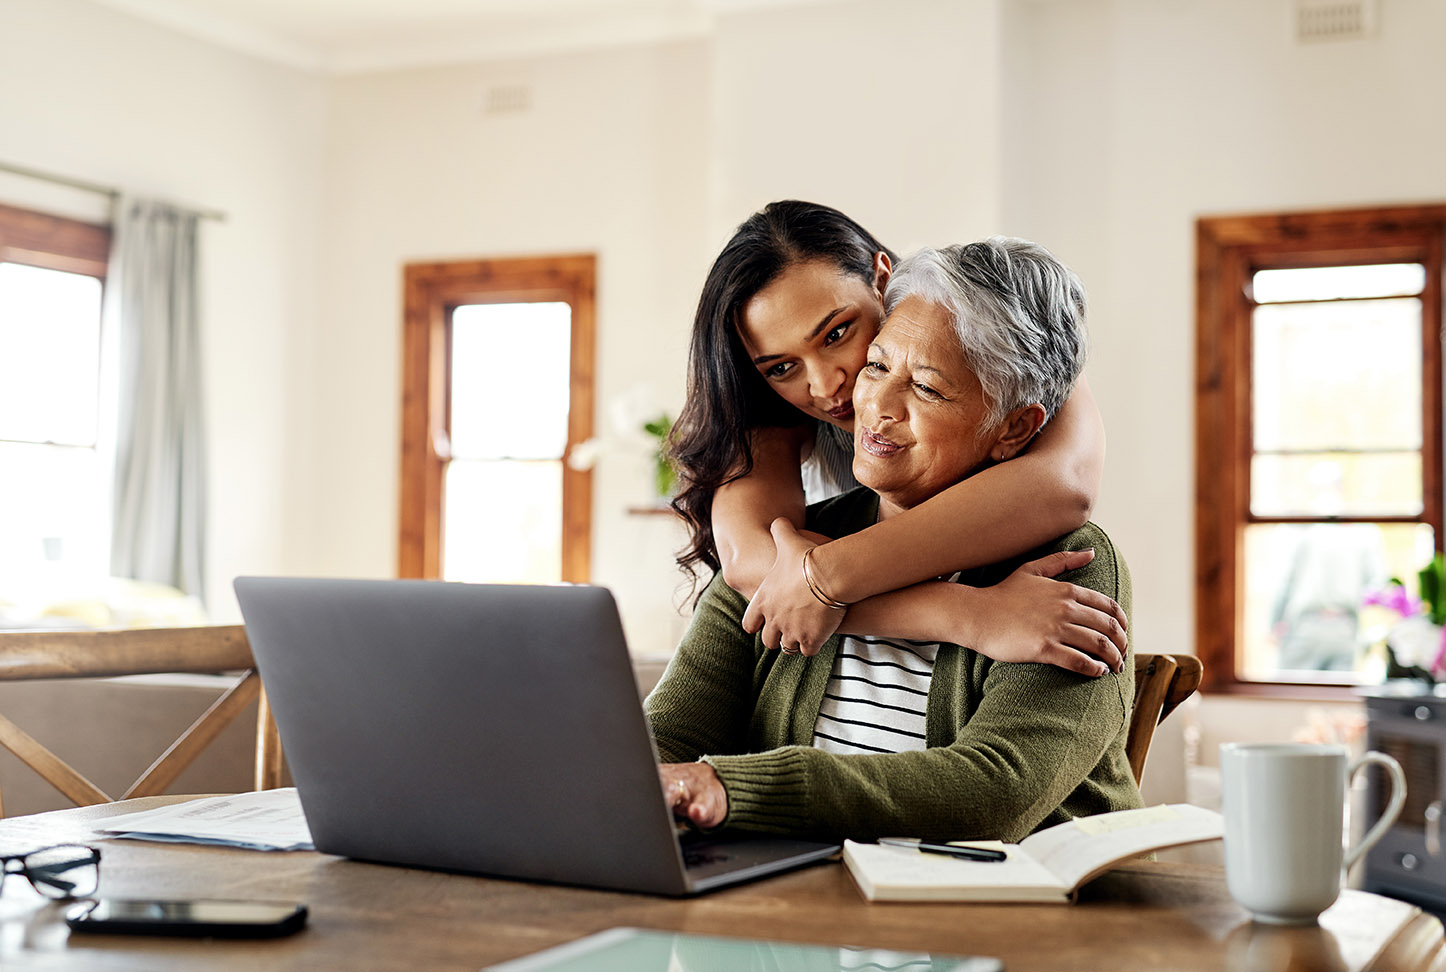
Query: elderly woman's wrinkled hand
column 695, row 793
column 1030, row 617
column 784, row 609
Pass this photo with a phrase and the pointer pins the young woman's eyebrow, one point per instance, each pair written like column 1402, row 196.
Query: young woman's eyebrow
column 818, row 329
column 822, row 325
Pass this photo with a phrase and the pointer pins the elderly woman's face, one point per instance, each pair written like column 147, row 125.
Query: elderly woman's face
column 919, row 409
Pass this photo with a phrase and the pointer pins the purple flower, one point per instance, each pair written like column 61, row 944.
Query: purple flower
column 1398, row 599
column 1438, row 664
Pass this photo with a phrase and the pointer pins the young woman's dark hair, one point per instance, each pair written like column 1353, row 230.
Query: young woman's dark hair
column 727, row 397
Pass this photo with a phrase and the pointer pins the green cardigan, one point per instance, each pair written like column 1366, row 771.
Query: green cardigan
column 1012, row 748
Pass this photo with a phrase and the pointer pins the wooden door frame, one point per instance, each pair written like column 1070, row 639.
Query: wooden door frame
column 431, row 292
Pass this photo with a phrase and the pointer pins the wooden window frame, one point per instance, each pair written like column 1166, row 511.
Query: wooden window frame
column 431, row 292
column 53, row 242
column 1228, row 250
column 37, row 239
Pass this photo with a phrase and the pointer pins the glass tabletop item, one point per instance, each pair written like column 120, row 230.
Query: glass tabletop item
column 637, row 950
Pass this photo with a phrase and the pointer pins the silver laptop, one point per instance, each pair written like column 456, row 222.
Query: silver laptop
column 492, row 729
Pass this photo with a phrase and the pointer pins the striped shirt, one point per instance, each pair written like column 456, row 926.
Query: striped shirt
column 876, row 696
column 829, row 468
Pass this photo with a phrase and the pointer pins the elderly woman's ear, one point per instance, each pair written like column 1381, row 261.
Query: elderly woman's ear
column 1019, row 427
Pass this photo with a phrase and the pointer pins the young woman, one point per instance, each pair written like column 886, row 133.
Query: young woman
column 783, row 326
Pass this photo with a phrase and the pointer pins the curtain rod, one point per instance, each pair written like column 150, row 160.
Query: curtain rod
column 84, row 186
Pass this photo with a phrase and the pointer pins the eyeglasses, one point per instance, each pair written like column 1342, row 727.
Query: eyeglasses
column 62, row 871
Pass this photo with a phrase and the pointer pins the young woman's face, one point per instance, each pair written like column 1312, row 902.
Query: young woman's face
column 808, row 334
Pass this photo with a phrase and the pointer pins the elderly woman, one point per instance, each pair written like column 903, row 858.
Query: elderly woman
column 871, row 737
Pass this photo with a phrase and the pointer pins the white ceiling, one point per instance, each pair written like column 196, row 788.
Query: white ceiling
column 353, row 36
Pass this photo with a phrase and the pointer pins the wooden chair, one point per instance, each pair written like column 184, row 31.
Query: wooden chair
column 1162, row 682
column 140, row 651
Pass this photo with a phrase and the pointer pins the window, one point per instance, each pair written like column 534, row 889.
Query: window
column 1318, row 436
column 497, row 388
column 56, row 483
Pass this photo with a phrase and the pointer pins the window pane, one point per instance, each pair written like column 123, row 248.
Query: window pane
column 1331, row 283
column 1333, row 377
column 1304, row 587
column 1321, row 484
column 54, row 503
column 510, row 380
column 503, row 522
column 49, row 355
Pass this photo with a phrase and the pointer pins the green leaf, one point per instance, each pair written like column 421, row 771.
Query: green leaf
column 659, row 427
column 664, row 478
column 1431, row 580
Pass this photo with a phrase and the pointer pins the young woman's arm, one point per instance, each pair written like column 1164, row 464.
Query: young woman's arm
column 1000, row 512
column 744, row 508
column 1028, row 617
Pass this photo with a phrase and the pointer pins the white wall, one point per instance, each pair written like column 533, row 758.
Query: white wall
column 610, row 159
column 103, row 97
column 890, row 112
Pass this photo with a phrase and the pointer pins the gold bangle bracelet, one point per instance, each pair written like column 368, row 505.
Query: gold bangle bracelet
column 813, row 587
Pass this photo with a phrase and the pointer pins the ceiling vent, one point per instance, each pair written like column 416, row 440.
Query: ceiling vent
column 507, row 99
column 1327, row 20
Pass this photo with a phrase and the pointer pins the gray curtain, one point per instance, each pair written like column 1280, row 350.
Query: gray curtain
column 159, row 500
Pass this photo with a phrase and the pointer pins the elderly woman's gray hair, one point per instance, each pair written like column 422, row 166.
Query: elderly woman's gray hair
column 1018, row 311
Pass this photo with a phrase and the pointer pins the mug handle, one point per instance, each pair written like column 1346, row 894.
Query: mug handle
column 1393, row 806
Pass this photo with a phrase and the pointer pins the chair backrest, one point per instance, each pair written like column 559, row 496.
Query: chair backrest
column 1162, row 682
column 140, row 651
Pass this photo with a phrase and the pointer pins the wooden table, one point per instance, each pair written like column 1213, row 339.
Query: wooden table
column 1144, row 915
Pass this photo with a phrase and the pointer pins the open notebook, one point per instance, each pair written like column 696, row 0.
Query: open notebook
column 1047, row 866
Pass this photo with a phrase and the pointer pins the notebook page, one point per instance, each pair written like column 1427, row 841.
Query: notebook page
column 901, row 874
column 1085, row 846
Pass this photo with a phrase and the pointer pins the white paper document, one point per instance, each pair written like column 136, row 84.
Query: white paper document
column 263, row 820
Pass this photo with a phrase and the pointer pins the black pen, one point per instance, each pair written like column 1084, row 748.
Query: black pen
column 982, row 854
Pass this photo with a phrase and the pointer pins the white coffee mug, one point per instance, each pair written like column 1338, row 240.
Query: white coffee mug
column 1284, row 806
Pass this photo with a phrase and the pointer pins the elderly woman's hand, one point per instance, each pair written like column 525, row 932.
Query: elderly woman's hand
column 784, row 609
column 695, row 793
column 1030, row 617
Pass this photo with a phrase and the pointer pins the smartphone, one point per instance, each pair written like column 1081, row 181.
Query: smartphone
column 200, row 918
